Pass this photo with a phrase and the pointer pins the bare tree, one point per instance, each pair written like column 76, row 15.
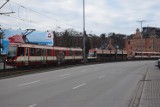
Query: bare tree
column 118, row 40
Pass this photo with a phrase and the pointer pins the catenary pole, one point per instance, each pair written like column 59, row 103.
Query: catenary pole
column 84, row 33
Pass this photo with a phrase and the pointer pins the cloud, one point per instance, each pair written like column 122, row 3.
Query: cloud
column 103, row 16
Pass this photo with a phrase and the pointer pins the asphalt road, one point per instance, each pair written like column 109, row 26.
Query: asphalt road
column 101, row 85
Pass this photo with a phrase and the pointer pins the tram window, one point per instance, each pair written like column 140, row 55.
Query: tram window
column 38, row 52
column 95, row 53
column 64, row 53
column 78, row 53
column 12, row 51
column 44, row 52
column 32, row 51
column 70, row 53
column 26, row 51
column 20, row 51
column 56, row 52
column 49, row 52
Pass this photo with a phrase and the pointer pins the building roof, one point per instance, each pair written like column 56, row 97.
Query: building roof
column 151, row 31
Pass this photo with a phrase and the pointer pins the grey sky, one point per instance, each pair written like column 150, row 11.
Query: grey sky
column 102, row 16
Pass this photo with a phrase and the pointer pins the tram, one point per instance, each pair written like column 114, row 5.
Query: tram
column 146, row 55
column 107, row 55
column 23, row 54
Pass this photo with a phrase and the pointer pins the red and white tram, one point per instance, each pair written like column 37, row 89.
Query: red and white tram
column 146, row 55
column 23, row 54
column 107, row 55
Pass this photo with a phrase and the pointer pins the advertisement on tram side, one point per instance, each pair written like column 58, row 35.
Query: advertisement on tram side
column 36, row 37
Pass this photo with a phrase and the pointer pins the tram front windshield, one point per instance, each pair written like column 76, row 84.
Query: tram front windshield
column 12, row 51
column 91, row 54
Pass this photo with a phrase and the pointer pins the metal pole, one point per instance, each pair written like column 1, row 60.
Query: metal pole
column 53, row 39
column 4, row 64
column 14, row 65
column 0, row 40
column 84, row 33
column 4, row 4
column 141, row 22
column 141, row 41
column 0, row 44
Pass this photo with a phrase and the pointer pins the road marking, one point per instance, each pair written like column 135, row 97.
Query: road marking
column 102, row 76
column 20, row 85
column 78, row 86
column 32, row 105
column 64, row 75
column 84, row 71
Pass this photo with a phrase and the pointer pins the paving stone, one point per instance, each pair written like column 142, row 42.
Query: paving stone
column 151, row 92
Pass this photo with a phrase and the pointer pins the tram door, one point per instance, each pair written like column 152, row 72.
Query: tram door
column 43, row 56
column 26, row 56
column 72, row 55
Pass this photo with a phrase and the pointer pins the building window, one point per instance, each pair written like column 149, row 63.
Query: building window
column 128, row 42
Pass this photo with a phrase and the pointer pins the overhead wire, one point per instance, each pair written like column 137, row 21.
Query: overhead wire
column 57, row 24
column 10, row 6
column 60, row 21
column 29, row 21
column 25, row 19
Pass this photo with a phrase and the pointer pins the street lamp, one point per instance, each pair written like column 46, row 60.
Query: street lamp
column 84, row 33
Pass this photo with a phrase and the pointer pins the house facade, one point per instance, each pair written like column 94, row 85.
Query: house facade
column 148, row 41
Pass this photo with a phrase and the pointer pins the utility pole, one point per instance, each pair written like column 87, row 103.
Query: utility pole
column 84, row 33
column 0, row 40
column 54, row 38
column 141, row 22
column 5, row 12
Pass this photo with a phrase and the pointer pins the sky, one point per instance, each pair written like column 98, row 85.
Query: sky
column 101, row 16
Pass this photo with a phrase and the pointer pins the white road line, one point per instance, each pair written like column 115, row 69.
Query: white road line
column 102, row 76
column 20, row 85
column 84, row 71
column 64, row 75
column 79, row 86
column 32, row 105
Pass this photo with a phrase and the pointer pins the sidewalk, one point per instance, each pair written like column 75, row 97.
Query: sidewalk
column 151, row 91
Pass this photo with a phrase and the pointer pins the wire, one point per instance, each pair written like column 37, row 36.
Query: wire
column 42, row 25
column 19, row 12
column 4, row 4
column 10, row 6
column 56, row 23
column 60, row 21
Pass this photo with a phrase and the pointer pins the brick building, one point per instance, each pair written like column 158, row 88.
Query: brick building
column 150, row 41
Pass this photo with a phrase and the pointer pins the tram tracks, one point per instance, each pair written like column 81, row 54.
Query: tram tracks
column 13, row 72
